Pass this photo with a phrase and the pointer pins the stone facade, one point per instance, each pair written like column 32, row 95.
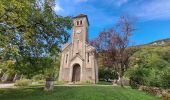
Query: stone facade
column 78, row 61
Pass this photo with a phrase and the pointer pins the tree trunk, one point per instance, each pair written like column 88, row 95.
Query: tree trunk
column 121, row 81
column 121, row 74
column 4, row 78
column 15, row 78
column 21, row 77
column 49, row 85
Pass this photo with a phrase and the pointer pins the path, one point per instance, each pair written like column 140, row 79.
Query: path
column 7, row 85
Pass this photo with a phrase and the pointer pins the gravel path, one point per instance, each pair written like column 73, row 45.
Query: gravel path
column 11, row 85
column 7, row 85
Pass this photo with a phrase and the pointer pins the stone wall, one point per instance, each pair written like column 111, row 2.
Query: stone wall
column 155, row 91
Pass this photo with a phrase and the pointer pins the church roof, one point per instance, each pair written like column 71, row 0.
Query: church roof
column 66, row 46
column 77, row 55
column 90, row 48
column 82, row 15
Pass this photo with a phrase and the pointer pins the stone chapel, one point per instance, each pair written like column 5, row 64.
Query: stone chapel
column 78, row 61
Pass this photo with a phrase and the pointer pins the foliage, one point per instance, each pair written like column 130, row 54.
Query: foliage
column 76, row 93
column 38, row 77
column 41, row 81
column 150, row 66
column 31, row 34
column 138, row 77
column 165, row 79
column 112, row 44
column 107, row 74
column 7, row 66
column 54, row 70
column 22, row 83
column 104, row 83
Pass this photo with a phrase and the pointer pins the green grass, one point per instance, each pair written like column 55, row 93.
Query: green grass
column 104, row 83
column 75, row 93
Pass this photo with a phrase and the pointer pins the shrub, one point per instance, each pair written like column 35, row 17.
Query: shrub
column 155, row 82
column 38, row 77
column 107, row 73
column 22, row 83
column 138, row 77
column 105, row 83
column 134, row 82
column 150, row 68
column 41, row 81
column 160, row 78
column 165, row 79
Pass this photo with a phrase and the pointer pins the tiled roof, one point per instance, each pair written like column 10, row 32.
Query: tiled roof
column 82, row 15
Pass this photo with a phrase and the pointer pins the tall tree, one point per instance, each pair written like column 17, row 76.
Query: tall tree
column 31, row 35
column 112, row 46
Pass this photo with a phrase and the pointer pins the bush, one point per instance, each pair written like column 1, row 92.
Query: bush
column 155, row 82
column 138, row 77
column 160, row 78
column 22, row 83
column 105, row 83
column 107, row 74
column 134, row 82
column 165, row 79
column 41, row 81
column 150, row 68
column 38, row 77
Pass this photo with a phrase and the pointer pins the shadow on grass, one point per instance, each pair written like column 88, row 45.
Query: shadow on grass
column 74, row 93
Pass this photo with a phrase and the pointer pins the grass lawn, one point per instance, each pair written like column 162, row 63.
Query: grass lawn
column 75, row 93
column 104, row 83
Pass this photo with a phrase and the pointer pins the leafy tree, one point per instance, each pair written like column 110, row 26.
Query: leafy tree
column 138, row 76
column 112, row 46
column 107, row 74
column 149, row 60
column 165, row 79
column 31, row 35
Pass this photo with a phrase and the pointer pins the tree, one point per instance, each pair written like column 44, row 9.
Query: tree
column 149, row 67
column 32, row 35
column 107, row 74
column 112, row 46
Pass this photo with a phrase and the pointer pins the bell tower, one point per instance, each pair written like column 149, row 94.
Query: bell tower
column 80, row 28
column 80, row 34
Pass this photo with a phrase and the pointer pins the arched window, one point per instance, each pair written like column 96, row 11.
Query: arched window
column 66, row 57
column 77, row 44
column 77, row 23
column 81, row 22
column 88, row 56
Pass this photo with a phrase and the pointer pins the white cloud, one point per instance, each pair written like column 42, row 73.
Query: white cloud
column 68, row 7
column 156, row 9
column 57, row 8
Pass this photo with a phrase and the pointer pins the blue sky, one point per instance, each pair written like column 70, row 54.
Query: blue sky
column 152, row 16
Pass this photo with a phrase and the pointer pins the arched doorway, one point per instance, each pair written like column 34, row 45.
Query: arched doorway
column 76, row 73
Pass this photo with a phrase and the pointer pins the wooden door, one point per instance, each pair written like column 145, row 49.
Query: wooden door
column 76, row 73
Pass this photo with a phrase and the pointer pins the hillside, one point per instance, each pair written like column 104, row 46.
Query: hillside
column 150, row 64
column 159, row 46
column 164, row 42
